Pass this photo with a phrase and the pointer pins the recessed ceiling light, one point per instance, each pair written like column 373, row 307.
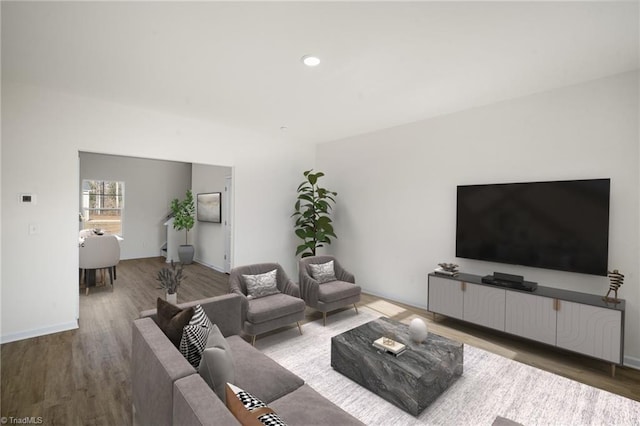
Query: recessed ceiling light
column 310, row 61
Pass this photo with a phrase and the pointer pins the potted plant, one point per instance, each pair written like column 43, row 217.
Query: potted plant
column 170, row 281
column 313, row 224
column 183, row 218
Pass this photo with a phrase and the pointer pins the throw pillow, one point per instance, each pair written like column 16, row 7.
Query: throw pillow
column 249, row 410
column 216, row 366
column 323, row 272
column 261, row 285
column 195, row 336
column 172, row 319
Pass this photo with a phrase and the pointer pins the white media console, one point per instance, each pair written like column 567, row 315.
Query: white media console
column 578, row 322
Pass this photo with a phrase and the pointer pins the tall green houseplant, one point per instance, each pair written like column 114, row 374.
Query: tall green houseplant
column 313, row 224
column 183, row 218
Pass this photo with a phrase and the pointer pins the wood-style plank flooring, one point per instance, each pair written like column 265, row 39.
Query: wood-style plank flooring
column 81, row 377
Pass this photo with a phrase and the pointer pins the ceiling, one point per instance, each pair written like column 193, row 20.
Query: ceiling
column 383, row 63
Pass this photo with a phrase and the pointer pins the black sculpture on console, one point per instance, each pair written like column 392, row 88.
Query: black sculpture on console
column 616, row 280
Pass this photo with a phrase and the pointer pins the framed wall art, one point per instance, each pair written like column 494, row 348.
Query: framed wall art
column 209, row 207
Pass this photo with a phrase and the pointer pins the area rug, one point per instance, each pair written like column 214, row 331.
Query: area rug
column 491, row 386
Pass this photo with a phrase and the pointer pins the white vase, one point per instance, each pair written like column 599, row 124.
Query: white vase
column 172, row 298
column 418, row 330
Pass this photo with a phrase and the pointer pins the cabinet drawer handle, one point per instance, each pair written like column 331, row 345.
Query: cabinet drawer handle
column 463, row 286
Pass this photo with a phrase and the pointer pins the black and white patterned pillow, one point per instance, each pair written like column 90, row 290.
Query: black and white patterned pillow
column 249, row 401
column 252, row 403
column 261, row 285
column 271, row 419
column 323, row 272
column 195, row 335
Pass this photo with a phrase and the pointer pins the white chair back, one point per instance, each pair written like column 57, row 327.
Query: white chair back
column 85, row 233
column 99, row 252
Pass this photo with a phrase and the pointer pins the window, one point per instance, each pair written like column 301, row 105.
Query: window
column 103, row 205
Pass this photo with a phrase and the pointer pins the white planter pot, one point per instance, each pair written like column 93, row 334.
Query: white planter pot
column 185, row 253
column 172, row 298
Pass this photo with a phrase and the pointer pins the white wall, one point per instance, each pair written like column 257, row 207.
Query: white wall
column 149, row 187
column 395, row 215
column 209, row 237
column 42, row 133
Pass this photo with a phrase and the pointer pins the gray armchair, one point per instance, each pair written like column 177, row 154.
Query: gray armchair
column 331, row 295
column 266, row 313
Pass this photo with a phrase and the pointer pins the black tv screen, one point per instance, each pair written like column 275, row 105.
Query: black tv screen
column 561, row 225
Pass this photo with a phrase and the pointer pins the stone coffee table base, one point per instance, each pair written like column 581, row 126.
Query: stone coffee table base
column 412, row 380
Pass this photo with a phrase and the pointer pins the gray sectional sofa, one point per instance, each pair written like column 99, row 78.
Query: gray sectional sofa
column 168, row 390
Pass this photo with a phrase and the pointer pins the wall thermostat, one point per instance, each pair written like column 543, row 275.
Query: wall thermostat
column 28, row 198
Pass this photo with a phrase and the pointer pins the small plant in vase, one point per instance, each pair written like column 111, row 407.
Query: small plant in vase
column 170, row 279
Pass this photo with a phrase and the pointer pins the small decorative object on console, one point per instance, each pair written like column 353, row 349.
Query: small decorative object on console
column 448, row 269
column 389, row 345
column 616, row 279
column 418, row 330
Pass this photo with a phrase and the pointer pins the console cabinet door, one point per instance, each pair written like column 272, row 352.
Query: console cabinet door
column 530, row 316
column 590, row 330
column 484, row 306
column 445, row 297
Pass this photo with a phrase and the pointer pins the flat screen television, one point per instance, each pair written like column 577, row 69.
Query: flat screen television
column 560, row 225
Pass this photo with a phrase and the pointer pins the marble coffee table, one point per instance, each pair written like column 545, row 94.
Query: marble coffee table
column 413, row 379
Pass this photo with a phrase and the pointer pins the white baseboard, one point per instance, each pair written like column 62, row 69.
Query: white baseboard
column 394, row 299
column 39, row 332
column 633, row 362
column 214, row 267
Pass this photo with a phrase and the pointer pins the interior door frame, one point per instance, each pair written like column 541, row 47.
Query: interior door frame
column 228, row 223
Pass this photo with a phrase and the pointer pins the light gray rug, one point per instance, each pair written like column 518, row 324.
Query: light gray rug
column 490, row 386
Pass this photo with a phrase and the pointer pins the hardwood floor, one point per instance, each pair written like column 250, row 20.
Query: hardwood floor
column 81, row 377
